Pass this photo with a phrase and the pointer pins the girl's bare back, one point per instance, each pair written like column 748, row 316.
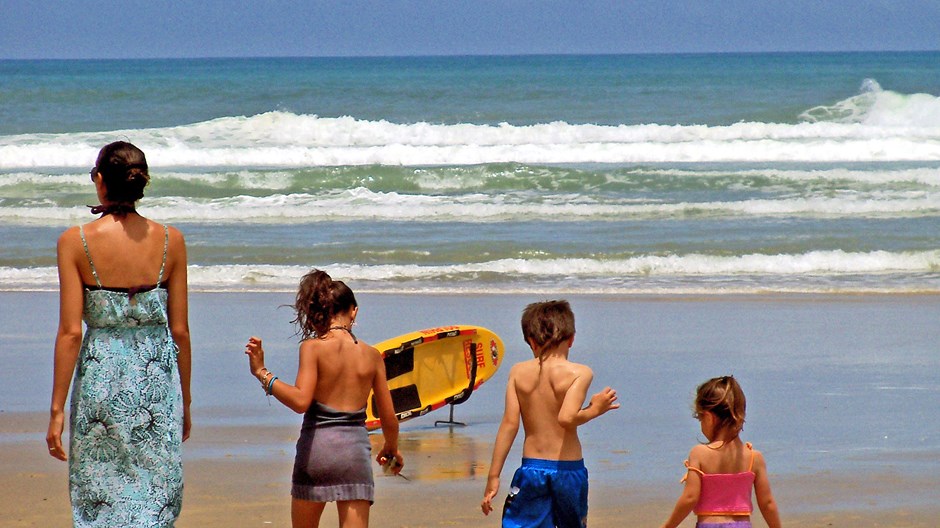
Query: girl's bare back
column 345, row 370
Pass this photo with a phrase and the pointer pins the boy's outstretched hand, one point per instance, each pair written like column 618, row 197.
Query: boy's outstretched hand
column 492, row 488
column 604, row 401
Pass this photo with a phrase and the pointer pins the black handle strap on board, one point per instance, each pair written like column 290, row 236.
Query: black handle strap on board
column 464, row 394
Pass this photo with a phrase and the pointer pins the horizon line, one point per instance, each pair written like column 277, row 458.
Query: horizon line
column 476, row 55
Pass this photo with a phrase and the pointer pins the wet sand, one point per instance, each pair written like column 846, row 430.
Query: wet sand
column 827, row 408
column 446, row 477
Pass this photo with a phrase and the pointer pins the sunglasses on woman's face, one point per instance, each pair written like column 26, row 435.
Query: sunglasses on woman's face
column 94, row 170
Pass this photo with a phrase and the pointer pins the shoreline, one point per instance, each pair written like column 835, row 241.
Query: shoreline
column 679, row 294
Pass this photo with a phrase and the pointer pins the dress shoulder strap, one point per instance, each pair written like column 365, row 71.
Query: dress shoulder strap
column 688, row 467
column 166, row 245
column 750, row 448
column 94, row 272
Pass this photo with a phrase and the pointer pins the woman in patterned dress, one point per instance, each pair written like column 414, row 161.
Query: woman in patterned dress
column 125, row 277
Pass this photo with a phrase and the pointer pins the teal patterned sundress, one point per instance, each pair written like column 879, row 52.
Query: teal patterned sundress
column 125, row 456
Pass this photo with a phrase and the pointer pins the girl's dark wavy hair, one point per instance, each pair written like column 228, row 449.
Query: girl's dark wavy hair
column 123, row 168
column 724, row 398
column 319, row 299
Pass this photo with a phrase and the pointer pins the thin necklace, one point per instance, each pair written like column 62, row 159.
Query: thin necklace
column 340, row 327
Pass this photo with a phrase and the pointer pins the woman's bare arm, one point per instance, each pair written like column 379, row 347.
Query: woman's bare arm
column 68, row 337
column 178, row 314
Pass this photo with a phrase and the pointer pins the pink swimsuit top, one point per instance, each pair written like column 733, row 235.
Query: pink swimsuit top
column 726, row 493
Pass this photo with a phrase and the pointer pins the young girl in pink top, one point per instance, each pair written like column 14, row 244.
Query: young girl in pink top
column 722, row 472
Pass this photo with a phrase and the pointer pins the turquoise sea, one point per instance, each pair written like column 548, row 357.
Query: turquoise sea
column 724, row 173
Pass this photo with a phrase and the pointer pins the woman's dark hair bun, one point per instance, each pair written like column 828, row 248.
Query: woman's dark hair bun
column 123, row 168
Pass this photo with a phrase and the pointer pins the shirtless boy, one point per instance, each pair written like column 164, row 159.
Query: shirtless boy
column 550, row 489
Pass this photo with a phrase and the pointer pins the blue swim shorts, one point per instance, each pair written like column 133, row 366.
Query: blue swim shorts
column 547, row 493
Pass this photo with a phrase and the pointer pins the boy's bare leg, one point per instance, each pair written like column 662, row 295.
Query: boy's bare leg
column 305, row 514
column 353, row 514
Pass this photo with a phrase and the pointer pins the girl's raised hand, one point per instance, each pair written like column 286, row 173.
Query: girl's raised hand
column 255, row 354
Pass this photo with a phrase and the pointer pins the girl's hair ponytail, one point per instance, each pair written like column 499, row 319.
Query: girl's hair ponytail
column 724, row 398
column 319, row 299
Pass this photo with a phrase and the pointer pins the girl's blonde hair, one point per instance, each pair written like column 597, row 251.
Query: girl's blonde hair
column 724, row 398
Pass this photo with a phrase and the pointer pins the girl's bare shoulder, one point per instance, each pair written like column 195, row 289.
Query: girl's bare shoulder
column 311, row 345
column 371, row 352
column 759, row 462
column 701, row 451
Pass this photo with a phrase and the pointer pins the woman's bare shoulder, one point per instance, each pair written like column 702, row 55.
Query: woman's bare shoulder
column 70, row 235
column 69, row 242
column 172, row 232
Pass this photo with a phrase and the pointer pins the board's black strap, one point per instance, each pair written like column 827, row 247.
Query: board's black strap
column 465, row 395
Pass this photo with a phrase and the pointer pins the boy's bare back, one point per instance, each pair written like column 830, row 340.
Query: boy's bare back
column 548, row 397
column 542, row 391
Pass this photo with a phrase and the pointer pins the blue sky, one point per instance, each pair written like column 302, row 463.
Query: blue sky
column 239, row 28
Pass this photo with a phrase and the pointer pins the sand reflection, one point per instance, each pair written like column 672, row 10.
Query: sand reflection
column 443, row 453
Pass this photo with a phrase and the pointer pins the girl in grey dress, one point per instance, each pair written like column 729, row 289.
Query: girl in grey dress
column 335, row 376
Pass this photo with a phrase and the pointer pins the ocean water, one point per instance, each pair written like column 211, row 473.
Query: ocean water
column 593, row 174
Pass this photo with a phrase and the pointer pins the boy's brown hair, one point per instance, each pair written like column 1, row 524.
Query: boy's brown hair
column 547, row 324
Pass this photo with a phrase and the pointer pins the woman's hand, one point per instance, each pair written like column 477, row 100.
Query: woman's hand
column 54, row 436
column 187, row 422
column 255, row 354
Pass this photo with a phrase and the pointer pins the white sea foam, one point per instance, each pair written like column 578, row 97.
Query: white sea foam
column 757, row 272
column 874, row 126
column 876, row 107
column 929, row 176
column 456, row 179
column 365, row 205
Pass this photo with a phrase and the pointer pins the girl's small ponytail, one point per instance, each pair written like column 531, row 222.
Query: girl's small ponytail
column 724, row 398
column 319, row 299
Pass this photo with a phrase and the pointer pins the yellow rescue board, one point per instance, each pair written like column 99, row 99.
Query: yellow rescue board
column 431, row 368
